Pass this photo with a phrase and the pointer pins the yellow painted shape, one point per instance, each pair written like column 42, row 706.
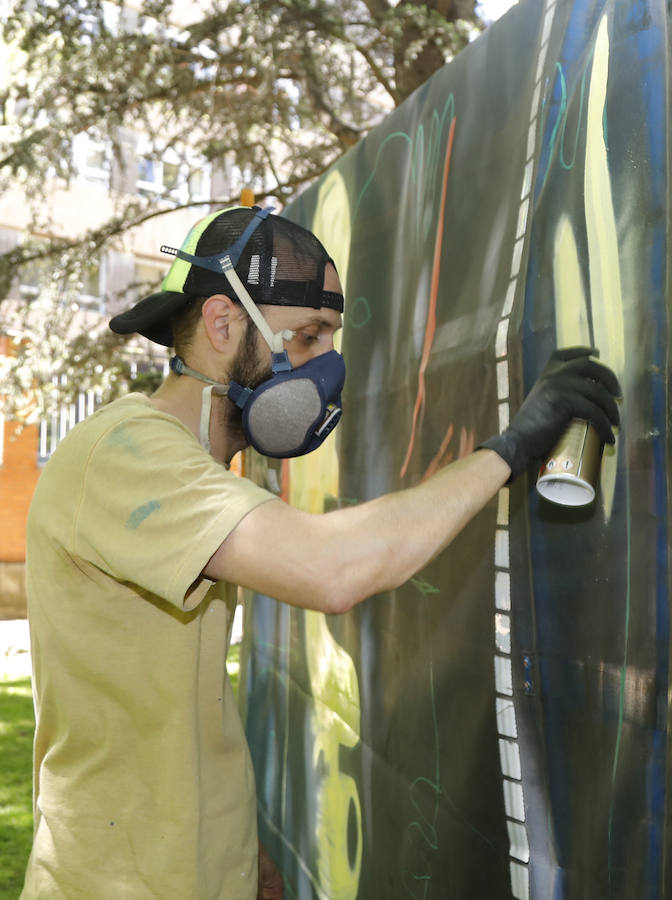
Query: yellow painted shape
column 333, row 680
column 335, row 721
column 571, row 316
column 605, row 278
column 335, row 710
column 332, row 221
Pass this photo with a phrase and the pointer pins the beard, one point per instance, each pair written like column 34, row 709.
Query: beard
column 247, row 368
column 250, row 367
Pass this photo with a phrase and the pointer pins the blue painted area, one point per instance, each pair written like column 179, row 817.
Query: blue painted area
column 571, row 70
column 638, row 149
column 138, row 516
column 645, row 27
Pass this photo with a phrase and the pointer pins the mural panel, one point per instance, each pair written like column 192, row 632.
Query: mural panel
column 497, row 727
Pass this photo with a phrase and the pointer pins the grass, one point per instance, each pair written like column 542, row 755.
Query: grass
column 16, row 812
column 17, row 723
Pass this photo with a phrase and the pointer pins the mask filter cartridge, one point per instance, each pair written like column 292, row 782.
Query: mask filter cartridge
column 293, row 412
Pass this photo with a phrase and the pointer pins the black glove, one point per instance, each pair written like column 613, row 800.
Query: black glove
column 572, row 386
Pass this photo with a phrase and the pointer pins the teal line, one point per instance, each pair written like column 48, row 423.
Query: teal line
column 560, row 127
column 424, row 166
column 390, row 137
column 621, row 699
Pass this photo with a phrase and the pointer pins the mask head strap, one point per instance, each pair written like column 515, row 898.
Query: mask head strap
column 224, row 263
column 179, row 367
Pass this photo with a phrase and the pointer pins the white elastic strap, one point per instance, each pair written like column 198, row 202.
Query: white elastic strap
column 204, row 428
column 273, row 339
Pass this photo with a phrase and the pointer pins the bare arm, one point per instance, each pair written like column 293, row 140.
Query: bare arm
column 333, row 561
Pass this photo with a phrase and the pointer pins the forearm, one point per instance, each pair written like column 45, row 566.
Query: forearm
column 331, row 562
column 389, row 539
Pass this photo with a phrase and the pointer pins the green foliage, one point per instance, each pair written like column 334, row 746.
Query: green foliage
column 247, row 80
column 271, row 93
column 16, row 815
column 280, row 89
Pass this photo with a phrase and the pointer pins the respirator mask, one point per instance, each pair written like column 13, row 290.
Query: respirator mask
column 294, row 410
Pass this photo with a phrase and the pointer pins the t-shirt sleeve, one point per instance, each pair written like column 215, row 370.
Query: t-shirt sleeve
column 154, row 507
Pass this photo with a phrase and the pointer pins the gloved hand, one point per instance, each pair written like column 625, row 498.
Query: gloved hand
column 572, row 386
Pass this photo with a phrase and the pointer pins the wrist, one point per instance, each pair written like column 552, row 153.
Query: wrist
column 508, row 447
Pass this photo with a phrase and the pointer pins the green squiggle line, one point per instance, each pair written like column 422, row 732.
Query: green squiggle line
column 426, row 827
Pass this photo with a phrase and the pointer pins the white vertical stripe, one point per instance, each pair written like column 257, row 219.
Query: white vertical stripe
column 513, row 800
column 501, row 339
column 509, row 750
column 503, row 590
column 509, row 757
column 520, row 848
column 522, row 218
column 548, row 21
column 503, row 633
column 503, row 413
column 542, row 61
column 502, row 548
column 503, row 677
column 506, row 717
column 502, row 380
column 520, row 881
column 510, row 297
column 527, row 180
column 517, row 257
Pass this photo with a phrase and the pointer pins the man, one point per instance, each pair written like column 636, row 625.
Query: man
column 138, row 534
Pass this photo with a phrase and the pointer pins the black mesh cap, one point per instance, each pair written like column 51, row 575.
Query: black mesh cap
column 279, row 263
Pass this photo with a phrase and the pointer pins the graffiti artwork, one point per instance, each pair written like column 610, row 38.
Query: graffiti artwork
column 498, row 726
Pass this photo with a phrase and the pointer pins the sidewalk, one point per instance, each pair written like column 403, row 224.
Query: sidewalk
column 14, row 649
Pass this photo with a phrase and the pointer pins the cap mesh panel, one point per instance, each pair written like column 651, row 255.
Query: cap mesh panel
column 282, row 263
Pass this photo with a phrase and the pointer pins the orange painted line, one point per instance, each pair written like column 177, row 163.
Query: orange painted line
column 430, row 328
column 439, row 459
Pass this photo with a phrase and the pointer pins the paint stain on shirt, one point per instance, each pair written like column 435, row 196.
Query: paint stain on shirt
column 138, row 516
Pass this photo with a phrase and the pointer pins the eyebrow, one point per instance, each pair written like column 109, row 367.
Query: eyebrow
column 319, row 320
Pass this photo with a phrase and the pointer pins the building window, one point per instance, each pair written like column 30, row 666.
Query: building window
column 32, row 277
column 92, row 158
column 173, row 176
column 199, row 182
column 149, row 179
column 92, row 291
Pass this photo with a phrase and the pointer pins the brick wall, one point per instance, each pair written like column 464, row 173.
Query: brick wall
column 18, row 476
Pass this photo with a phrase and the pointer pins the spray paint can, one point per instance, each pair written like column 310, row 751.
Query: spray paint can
column 569, row 475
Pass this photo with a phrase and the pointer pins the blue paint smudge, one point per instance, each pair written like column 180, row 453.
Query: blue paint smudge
column 138, row 516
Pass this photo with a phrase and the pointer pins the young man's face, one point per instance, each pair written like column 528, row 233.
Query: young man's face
column 314, row 333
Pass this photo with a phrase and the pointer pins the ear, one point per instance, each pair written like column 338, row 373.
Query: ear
column 219, row 314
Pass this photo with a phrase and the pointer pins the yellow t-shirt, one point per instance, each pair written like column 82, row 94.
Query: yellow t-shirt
column 143, row 784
